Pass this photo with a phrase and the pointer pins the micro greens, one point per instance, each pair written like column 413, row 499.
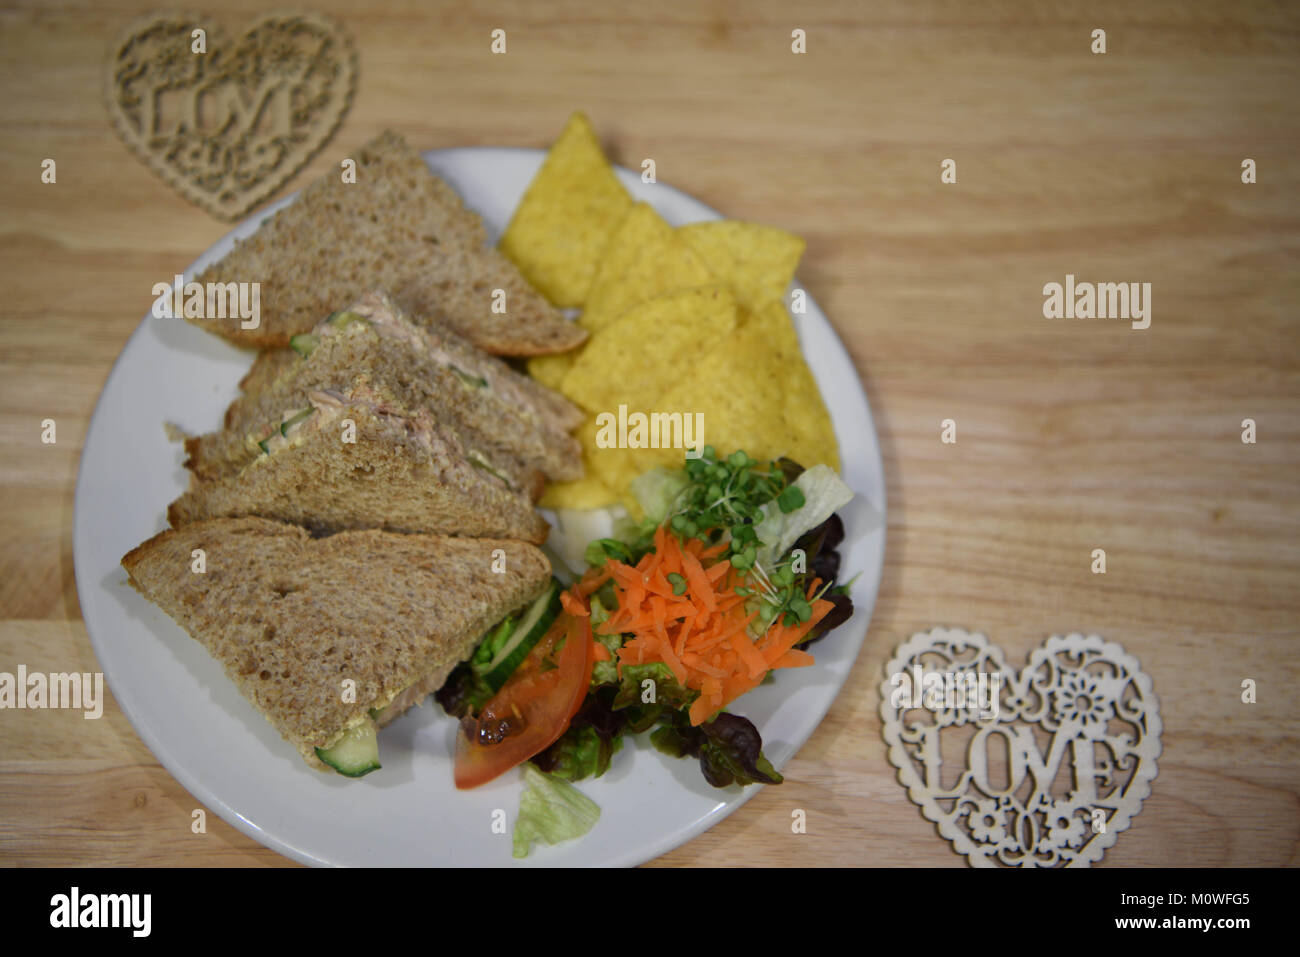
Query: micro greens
column 780, row 595
column 725, row 499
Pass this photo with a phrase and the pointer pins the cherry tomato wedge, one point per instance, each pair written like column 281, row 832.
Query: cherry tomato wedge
column 533, row 707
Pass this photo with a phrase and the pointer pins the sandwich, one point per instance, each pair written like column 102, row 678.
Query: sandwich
column 332, row 638
column 397, row 227
column 355, row 458
column 379, row 423
column 500, row 413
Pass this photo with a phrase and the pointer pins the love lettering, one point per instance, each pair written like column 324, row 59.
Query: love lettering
column 1023, row 757
column 225, row 108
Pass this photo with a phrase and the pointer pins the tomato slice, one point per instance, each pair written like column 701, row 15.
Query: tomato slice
column 533, row 707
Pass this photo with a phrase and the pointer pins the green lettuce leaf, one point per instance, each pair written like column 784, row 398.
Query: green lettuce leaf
column 593, row 737
column 669, row 694
column 728, row 747
column 551, row 810
column 824, row 493
column 582, row 753
column 464, row 692
column 604, row 672
column 656, row 491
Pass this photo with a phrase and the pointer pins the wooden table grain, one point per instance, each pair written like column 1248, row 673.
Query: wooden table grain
column 1071, row 434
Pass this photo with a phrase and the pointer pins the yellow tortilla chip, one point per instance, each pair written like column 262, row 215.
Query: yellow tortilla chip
column 550, row 370
column 758, row 261
column 772, row 323
column 807, row 419
column 642, row 228
column 753, row 391
column 752, row 395
column 737, row 389
column 648, row 349
column 664, row 264
column 586, row 492
column 804, row 412
column 564, row 222
column 590, row 491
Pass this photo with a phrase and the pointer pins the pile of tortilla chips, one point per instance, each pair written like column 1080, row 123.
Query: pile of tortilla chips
column 687, row 325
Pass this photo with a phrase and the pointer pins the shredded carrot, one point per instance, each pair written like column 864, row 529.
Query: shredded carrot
column 702, row 636
column 756, row 663
column 781, row 638
column 574, row 606
column 591, row 581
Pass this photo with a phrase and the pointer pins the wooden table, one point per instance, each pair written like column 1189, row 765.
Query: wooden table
column 1073, row 434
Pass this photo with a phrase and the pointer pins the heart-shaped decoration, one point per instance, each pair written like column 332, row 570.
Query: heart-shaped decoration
column 226, row 123
column 1050, row 764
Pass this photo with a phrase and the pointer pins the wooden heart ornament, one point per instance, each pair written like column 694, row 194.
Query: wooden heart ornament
column 226, row 122
column 1043, row 768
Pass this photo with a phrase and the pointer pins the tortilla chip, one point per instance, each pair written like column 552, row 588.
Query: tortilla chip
column 550, row 370
column 565, row 220
column 773, row 324
column 758, row 261
column 664, row 264
column 753, row 395
column 753, row 391
column 586, row 492
column 641, row 355
column 737, row 387
column 642, row 228
column 805, row 417
column 804, row 412
column 590, row 491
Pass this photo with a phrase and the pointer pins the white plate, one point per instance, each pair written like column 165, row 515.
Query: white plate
column 233, row 762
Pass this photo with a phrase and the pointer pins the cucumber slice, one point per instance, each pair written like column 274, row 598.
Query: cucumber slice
column 492, row 643
column 474, row 381
column 287, row 425
column 264, row 445
column 356, row 753
column 534, row 623
column 304, row 343
column 478, row 461
column 346, row 318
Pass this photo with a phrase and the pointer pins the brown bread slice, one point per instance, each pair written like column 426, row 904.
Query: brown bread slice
column 397, row 226
column 289, row 617
column 511, row 419
column 458, row 293
column 403, row 473
column 224, row 455
column 269, row 365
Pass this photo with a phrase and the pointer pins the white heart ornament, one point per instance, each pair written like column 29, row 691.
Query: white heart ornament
column 1058, row 758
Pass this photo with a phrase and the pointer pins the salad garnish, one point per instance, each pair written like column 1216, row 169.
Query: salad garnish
column 550, row 810
column 728, row 576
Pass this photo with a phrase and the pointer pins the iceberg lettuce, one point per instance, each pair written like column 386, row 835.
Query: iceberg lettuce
column 824, row 493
